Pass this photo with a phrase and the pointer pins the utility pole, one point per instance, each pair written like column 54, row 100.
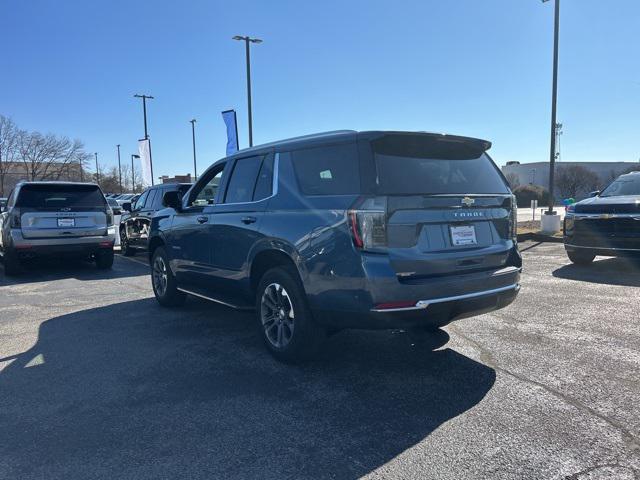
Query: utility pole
column 248, row 40
column 146, row 134
column 193, row 138
column 133, row 173
column 119, row 169
column 554, row 99
column 97, row 170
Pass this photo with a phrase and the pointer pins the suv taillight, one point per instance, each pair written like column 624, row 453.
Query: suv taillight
column 109, row 213
column 368, row 223
column 513, row 221
column 16, row 221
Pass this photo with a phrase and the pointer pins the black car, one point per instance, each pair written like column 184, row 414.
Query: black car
column 343, row 230
column 606, row 224
column 136, row 217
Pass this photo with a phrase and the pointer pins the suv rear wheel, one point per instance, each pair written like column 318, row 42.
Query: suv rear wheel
column 285, row 321
column 165, row 287
column 104, row 260
column 581, row 258
column 11, row 263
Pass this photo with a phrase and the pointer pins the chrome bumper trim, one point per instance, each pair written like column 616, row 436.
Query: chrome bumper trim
column 604, row 248
column 422, row 304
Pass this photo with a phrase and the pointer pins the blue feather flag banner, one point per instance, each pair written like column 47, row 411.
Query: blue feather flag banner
column 229, row 117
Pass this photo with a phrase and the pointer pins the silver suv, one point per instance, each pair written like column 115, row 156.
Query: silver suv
column 60, row 219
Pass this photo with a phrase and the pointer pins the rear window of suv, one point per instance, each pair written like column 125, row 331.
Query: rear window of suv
column 328, row 170
column 420, row 164
column 60, row 196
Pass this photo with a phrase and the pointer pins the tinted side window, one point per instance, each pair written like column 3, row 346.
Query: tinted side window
column 140, row 202
column 157, row 204
column 330, row 170
column 148, row 204
column 243, row 180
column 206, row 190
column 265, row 180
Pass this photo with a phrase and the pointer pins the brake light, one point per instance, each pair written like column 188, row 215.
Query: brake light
column 16, row 221
column 513, row 220
column 109, row 218
column 368, row 224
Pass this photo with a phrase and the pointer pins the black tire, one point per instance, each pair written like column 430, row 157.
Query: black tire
column 581, row 258
column 126, row 249
column 11, row 264
column 286, row 325
column 166, row 291
column 104, row 260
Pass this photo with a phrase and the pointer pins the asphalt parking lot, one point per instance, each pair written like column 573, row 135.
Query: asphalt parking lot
column 98, row 381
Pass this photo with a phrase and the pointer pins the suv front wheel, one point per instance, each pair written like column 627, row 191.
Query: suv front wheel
column 165, row 287
column 285, row 321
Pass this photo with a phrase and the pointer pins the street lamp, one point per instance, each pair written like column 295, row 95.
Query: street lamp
column 193, row 138
column 248, row 40
column 133, row 175
column 554, row 98
column 119, row 169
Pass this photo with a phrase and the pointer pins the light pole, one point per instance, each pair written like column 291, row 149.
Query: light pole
column 146, row 134
column 248, row 40
column 97, row 169
column 554, row 98
column 133, row 173
column 193, row 139
column 119, row 169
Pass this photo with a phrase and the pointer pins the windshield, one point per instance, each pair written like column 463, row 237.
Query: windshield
column 408, row 165
column 625, row 185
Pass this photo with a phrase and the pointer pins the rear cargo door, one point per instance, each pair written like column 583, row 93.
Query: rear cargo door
column 448, row 207
column 61, row 211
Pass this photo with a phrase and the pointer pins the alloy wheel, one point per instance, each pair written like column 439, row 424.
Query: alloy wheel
column 160, row 276
column 277, row 315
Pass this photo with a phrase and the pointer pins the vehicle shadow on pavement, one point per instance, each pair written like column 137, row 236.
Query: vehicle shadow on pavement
column 611, row 271
column 136, row 391
column 52, row 269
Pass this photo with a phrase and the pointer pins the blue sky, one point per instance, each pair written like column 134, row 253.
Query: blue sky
column 472, row 67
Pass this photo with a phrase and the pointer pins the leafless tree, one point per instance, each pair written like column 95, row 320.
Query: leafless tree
column 48, row 157
column 8, row 148
column 574, row 181
column 513, row 179
column 127, row 185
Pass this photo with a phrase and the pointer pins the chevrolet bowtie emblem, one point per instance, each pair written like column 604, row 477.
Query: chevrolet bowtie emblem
column 468, row 201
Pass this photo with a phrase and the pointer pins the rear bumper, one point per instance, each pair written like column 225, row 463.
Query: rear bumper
column 76, row 247
column 431, row 302
column 603, row 251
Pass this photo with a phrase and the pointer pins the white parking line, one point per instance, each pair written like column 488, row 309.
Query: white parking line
column 134, row 260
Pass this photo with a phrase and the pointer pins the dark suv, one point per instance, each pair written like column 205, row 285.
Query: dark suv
column 136, row 218
column 343, row 230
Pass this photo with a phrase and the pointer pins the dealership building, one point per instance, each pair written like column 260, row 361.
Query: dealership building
column 537, row 173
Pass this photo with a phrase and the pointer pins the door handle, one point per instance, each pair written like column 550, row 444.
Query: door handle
column 248, row 220
column 202, row 219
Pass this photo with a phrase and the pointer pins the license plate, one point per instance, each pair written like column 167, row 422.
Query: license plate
column 463, row 235
column 66, row 222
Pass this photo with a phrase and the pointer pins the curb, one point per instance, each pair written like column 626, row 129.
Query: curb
column 539, row 237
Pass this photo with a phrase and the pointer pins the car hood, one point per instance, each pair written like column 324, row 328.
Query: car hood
column 622, row 204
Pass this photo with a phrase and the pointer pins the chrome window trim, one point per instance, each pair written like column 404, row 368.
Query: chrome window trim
column 422, row 304
column 274, row 185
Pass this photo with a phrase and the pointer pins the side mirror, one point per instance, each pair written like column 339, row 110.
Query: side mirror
column 126, row 206
column 594, row 193
column 172, row 200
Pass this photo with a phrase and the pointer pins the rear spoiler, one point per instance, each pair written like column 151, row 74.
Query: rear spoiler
column 420, row 144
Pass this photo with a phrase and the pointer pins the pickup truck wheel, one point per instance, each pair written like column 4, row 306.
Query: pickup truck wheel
column 11, row 264
column 164, row 284
column 581, row 258
column 104, row 260
column 287, row 327
column 125, row 247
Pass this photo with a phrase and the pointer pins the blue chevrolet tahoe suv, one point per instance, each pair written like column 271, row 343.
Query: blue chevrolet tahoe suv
column 342, row 230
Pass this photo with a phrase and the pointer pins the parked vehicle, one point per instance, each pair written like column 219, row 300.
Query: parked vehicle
column 343, row 230
column 55, row 219
column 115, row 206
column 126, row 197
column 607, row 223
column 136, row 218
column 3, row 203
column 114, row 229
